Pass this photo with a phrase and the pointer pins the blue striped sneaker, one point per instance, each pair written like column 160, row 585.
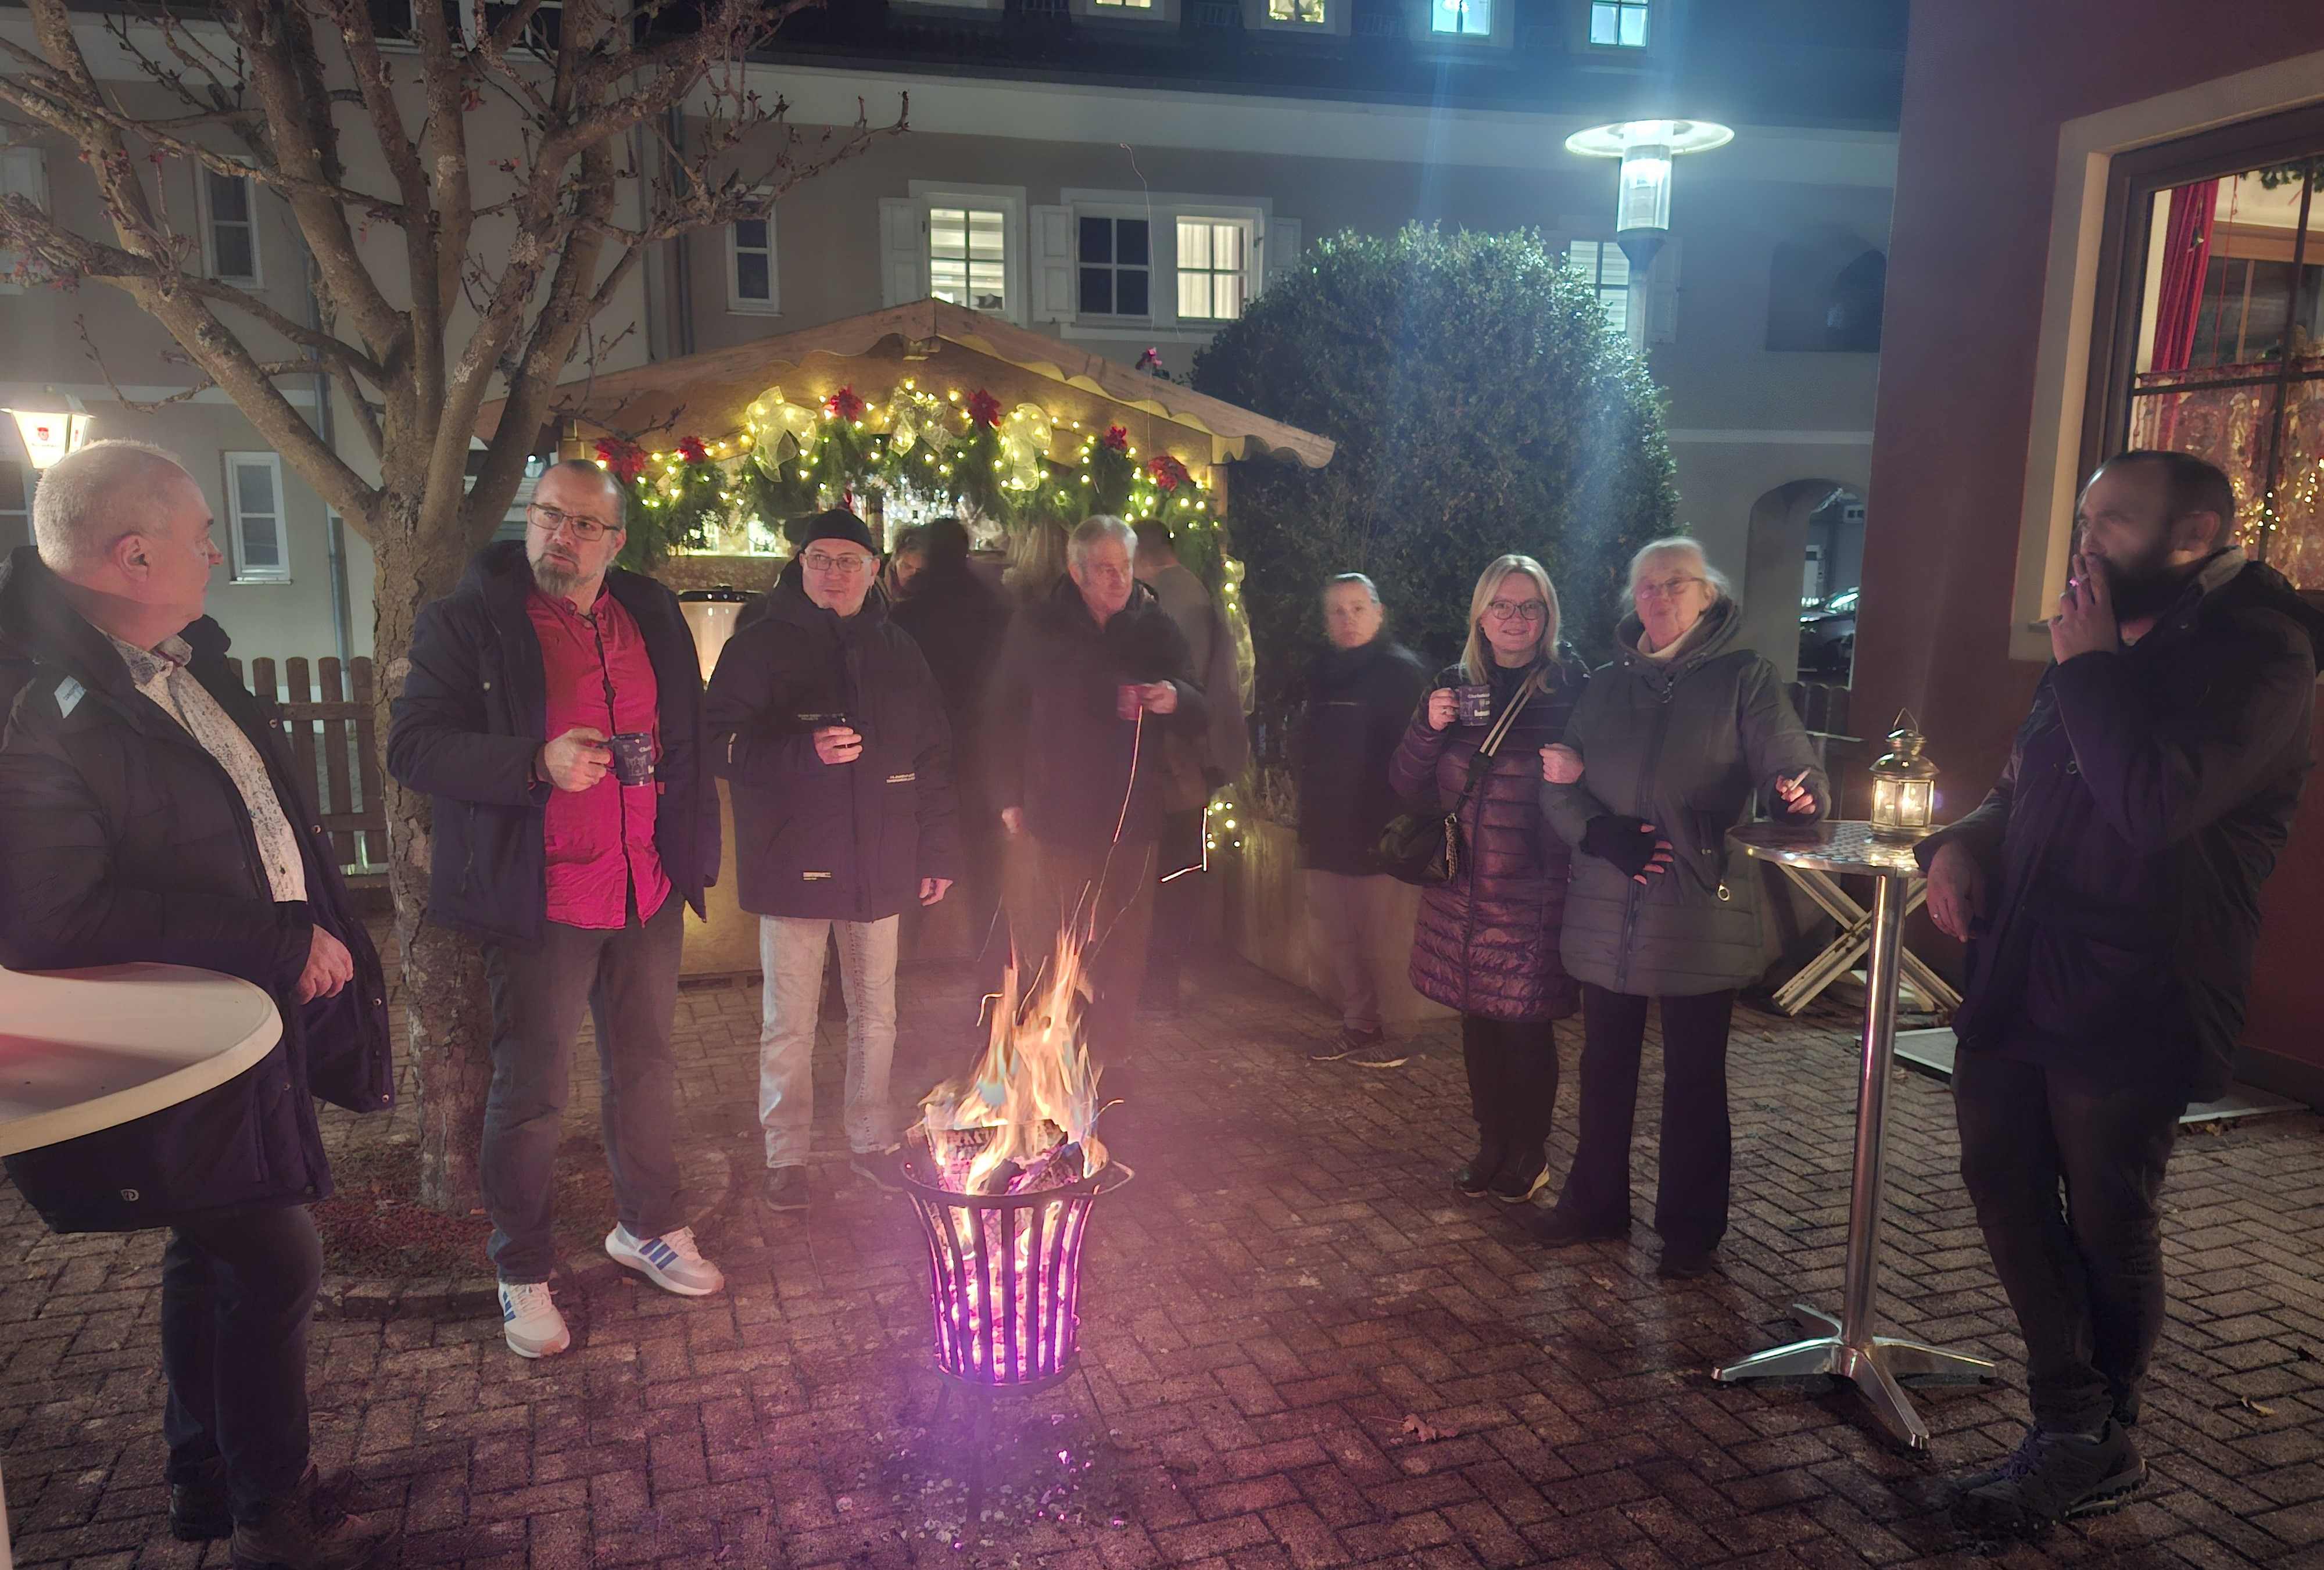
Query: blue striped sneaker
column 531, row 1323
column 669, row 1261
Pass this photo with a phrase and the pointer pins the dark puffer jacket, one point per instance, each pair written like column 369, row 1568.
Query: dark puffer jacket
column 122, row 840
column 1486, row 943
column 846, row 841
column 1690, row 745
column 470, row 720
column 2148, row 796
column 1359, row 702
column 1056, row 744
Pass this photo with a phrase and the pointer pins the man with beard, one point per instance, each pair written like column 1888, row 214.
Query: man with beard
column 554, row 710
column 2108, row 889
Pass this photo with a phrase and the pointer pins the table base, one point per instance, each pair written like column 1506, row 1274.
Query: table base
column 1873, row 1364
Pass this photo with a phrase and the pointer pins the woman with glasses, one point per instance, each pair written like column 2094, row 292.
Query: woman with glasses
column 1677, row 741
column 1486, row 942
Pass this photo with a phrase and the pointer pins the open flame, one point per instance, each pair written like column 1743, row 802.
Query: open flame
column 1026, row 1118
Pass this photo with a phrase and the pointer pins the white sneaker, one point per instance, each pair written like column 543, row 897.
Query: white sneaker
column 531, row 1323
column 669, row 1261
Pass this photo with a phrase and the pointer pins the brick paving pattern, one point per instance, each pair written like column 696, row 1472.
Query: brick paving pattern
column 1301, row 1351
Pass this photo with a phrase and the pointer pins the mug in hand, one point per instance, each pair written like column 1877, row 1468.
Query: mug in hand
column 633, row 756
column 1473, row 705
column 1128, row 699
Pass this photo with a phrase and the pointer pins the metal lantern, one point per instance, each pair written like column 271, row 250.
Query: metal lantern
column 1903, row 785
column 48, row 437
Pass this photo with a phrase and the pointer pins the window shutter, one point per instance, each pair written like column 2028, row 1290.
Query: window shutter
column 1053, row 264
column 1280, row 248
column 23, row 172
column 903, row 252
column 1662, row 296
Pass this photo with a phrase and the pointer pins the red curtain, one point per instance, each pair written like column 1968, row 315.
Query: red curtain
column 2186, row 255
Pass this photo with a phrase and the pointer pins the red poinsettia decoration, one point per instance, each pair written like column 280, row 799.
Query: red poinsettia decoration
column 845, row 405
column 691, row 450
column 1115, row 437
column 984, row 407
column 625, row 461
column 1169, row 473
column 1150, row 362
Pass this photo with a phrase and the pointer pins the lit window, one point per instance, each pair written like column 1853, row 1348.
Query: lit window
column 1604, row 268
column 229, row 227
column 1123, row 4
column 968, row 257
column 1309, row 12
column 1617, row 23
column 253, row 494
column 1464, row 18
column 1116, row 268
column 1213, row 269
column 750, row 264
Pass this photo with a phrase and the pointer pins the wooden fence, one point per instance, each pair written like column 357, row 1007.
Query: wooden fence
column 334, row 747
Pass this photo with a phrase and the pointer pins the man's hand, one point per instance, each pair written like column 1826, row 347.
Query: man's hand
column 1158, row 697
column 1441, row 707
column 1013, row 820
column 838, row 744
column 1561, row 765
column 2085, row 622
column 329, row 966
column 1956, row 890
column 575, row 760
column 1797, row 799
column 932, row 889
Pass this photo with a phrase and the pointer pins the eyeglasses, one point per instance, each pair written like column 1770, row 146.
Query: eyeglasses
column 585, row 529
column 1518, row 610
column 839, row 566
column 1666, row 588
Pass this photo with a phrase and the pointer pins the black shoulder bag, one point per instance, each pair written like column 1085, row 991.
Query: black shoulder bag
column 1424, row 848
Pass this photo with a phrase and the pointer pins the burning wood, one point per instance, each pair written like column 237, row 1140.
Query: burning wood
column 1025, row 1120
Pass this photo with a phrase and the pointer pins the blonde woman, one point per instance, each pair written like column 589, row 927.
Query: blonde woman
column 1487, row 943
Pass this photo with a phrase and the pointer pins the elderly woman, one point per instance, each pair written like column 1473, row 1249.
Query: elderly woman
column 1486, row 942
column 1670, row 746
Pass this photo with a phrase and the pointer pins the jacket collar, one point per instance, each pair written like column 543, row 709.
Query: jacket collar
column 37, row 626
column 1715, row 634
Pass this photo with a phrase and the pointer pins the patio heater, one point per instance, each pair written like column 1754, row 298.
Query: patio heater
column 1642, row 202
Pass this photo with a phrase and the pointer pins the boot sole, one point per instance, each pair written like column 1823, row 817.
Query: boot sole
column 1541, row 1181
column 2000, row 1515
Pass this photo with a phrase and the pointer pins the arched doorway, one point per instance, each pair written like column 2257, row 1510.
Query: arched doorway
column 1804, row 563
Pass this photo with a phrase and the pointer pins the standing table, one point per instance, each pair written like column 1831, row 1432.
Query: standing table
column 87, row 1050
column 1846, row 1346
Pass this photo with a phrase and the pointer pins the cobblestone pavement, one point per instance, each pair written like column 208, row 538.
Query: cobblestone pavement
column 1301, row 1350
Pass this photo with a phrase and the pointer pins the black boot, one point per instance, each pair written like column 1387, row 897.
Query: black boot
column 1522, row 1176
column 296, row 1533
column 1476, row 1179
column 2053, row 1477
column 199, row 1511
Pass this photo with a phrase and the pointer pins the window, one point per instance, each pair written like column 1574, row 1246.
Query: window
column 1461, row 18
column 1213, row 269
column 1617, row 23
column 750, row 265
column 15, row 508
column 968, row 254
column 1301, row 13
column 1102, row 6
column 2211, row 333
column 229, row 213
column 1602, row 266
column 1116, row 261
column 254, row 505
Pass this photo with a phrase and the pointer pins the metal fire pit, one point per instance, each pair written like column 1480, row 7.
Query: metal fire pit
column 1004, row 1285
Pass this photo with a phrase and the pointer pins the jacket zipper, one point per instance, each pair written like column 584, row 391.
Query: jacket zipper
column 1639, row 810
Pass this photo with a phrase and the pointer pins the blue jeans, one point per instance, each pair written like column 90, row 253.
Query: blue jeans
column 628, row 978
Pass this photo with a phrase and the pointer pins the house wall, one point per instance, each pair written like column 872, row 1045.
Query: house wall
column 1989, row 85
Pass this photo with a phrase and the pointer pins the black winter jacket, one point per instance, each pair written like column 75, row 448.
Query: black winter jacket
column 846, row 841
column 1057, row 745
column 122, row 840
column 470, row 721
column 1359, row 701
column 960, row 623
column 2147, row 798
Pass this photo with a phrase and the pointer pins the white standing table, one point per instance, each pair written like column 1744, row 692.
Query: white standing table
column 87, row 1050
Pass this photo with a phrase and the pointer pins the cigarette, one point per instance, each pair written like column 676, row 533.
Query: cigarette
column 1798, row 779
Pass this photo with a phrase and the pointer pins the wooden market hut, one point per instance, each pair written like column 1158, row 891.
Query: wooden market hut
column 940, row 348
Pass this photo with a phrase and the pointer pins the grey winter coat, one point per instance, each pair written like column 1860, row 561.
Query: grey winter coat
column 1692, row 745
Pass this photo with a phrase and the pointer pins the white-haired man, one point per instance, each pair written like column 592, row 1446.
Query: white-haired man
column 1088, row 678
column 147, row 814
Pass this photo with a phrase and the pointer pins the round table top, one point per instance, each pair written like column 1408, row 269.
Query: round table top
column 87, row 1050
column 1828, row 847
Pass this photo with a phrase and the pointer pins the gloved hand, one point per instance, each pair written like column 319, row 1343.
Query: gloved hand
column 1632, row 844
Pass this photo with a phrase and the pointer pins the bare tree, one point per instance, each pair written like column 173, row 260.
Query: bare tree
column 523, row 172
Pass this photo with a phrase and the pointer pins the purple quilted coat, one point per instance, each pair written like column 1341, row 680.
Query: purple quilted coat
column 1486, row 943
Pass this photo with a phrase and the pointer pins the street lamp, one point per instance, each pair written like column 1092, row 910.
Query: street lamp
column 1643, row 200
column 48, row 437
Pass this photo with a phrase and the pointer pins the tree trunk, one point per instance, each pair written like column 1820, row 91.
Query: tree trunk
column 448, row 1017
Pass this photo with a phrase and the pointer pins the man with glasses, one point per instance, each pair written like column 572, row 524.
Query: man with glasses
column 553, row 709
column 831, row 733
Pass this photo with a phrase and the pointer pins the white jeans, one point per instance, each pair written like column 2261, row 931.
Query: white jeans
column 791, row 959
